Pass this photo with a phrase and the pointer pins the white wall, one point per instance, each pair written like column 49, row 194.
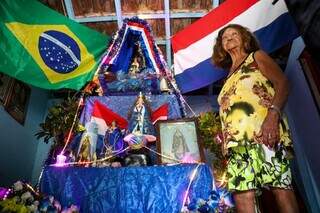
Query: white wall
column 200, row 104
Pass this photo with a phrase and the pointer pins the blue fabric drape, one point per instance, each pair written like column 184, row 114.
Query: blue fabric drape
column 125, row 57
column 122, row 62
column 129, row 189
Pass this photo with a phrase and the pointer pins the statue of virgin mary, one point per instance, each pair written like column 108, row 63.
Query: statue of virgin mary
column 139, row 119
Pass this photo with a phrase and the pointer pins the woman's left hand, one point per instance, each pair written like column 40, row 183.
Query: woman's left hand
column 269, row 132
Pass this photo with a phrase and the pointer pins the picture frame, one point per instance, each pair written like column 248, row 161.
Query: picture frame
column 178, row 140
column 5, row 86
column 312, row 73
column 18, row 99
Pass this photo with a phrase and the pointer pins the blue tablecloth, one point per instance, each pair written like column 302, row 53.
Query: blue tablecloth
column 127, row 189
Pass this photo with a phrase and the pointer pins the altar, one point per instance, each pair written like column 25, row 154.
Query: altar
column 136, row 89
column 127, row 189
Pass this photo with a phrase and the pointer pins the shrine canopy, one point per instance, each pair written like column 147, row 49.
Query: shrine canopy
column 132, row 55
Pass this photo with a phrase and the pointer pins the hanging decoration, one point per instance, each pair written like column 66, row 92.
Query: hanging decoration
column 149, row 48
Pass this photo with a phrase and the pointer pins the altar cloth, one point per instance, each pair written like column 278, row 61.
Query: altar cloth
column 126, row 189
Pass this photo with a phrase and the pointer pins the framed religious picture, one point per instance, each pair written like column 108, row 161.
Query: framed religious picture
column 18, row 99
column 5, row 84
column 178, row 141
column 312, row 73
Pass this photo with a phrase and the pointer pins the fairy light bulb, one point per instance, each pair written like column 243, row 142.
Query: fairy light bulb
column 61, row 159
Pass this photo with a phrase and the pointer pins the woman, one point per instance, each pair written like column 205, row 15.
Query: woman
column 255, row 135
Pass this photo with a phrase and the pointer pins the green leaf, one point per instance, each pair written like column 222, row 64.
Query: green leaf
column 59, row 121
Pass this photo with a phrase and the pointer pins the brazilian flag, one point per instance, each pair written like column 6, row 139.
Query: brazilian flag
column 46, row 49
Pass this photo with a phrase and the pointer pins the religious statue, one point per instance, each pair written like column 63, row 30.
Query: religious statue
column 134, row 68
column 138, row 62
column 139, row 118
column 84, row 151
column 113, row 140
column 88, row 143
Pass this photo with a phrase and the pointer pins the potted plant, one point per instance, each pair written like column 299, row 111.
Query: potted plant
column 210, row 129
column 58, row 123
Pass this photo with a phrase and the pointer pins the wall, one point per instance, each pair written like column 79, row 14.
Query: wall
column 18, row 143
column 304, row 121
column 200, row 104
column 42, row 149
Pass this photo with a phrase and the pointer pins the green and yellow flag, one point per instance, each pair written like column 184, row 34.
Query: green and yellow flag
column 46, row 49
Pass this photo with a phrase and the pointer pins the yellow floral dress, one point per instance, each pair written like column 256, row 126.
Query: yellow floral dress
column 244, row 101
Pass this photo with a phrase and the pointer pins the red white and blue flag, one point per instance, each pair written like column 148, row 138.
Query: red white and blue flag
column 103, row 117
column 193, row 46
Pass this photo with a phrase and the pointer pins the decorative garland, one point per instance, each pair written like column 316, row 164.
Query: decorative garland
column 117, row 40
column 155, row 52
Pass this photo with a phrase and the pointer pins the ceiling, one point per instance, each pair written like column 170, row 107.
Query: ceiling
column 166, row 17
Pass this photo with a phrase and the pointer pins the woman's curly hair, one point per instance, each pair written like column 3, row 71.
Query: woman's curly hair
column 221, row 58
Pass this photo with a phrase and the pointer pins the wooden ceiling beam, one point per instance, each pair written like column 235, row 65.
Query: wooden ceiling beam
column 117, row 4
column 69, row 8
column 167, row 28
column 215, row 3
column 118, row 16
column 107, row 18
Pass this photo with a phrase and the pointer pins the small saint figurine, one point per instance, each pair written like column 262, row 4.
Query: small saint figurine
column 134, row 68
column 138, row 61
column 84, row 151
column 88, row 143
column 113, row 140
column 139, row 117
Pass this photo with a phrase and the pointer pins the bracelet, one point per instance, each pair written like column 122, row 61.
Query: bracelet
column 275, row 108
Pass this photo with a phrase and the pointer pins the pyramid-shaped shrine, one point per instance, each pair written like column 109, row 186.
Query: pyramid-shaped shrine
column 133, row 62
column 122, row 129
column 137, row 90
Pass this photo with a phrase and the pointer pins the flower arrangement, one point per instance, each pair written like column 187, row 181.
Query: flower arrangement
column 220, row 200
column 22, row 198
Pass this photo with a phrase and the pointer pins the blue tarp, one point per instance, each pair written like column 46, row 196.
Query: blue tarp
column 127, row 189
